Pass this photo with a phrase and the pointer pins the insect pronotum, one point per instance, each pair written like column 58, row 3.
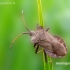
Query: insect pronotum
column 53, row 46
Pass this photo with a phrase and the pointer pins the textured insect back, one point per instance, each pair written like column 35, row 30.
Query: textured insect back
column 54, row 46
column 59, row 48
column 61, row 41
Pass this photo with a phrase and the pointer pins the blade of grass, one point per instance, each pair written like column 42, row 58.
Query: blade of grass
column 48, row 65
column 40, row 13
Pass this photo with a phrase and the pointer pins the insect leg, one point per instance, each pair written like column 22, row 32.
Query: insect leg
column 45, row 56
column 17, row 37
column 35, row 44
column 40, row 50
column 37, row 48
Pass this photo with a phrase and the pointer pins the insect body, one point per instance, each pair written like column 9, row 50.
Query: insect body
column 54, row 46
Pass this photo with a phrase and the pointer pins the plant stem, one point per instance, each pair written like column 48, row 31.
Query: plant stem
column 48, row 65
column 40, row 13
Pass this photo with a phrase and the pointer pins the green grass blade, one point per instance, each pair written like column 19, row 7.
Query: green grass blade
column 40, row 13
column 48, row 65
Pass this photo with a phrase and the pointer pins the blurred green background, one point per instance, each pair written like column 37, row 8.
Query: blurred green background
column 56, row 16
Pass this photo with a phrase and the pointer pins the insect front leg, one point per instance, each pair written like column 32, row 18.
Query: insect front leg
column 37, row 47
column 35, row 44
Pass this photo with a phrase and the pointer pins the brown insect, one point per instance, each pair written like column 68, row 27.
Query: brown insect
column 53, row 46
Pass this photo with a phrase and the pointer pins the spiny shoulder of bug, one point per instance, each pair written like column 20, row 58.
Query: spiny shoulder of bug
column 40, row 30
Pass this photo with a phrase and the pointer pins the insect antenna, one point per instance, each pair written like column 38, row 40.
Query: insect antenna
column 22, row 32
column 24, row 22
